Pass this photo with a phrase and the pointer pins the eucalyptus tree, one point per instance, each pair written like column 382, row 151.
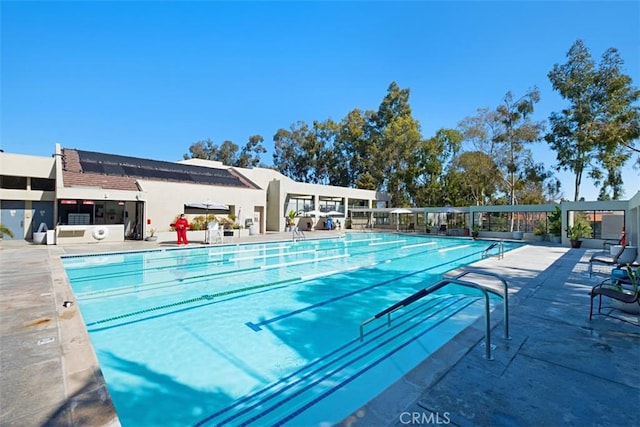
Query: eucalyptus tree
column 595, row 134
column 250, row 154
column 396, row 136
column 290, row 155
column 228, row 153
column 205, row 150
column 354, row 153
column 503, row 134
column 304, row 153
column 480, row 176
column 425, row 183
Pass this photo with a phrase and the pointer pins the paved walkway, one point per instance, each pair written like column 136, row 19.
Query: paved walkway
column 558, row 368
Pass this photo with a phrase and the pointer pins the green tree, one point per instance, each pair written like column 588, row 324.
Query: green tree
column 425, row 176
column 595, row 133
column 303, row 153
column 355, row 154
column 251, row 152
column 228, row 153
column 503, row 134
column 480, row 176
column 396, row 136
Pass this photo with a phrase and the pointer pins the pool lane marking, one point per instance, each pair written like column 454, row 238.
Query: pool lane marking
column 154, row 286
column 257, row 326
column 453, row 248
column 417, row 245
column 206, row 297
column 324, row 375
column 387, row 243
column 353, row 377
column 441, row 303
column 271, row 255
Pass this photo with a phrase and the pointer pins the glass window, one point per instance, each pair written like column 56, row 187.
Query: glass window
column 13, row 182
column 43, row 184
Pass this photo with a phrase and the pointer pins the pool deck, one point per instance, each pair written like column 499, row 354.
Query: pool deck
column 557, row 368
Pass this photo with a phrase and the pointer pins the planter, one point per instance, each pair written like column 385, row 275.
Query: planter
column 627, row 307
column 556, row 239
column 517, row 235
column 39, row 238
column 151, row 238
column 576, row 244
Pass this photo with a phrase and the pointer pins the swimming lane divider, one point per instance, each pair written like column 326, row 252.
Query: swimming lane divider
column 256, row 326
column 271, row 255
column 417, row 245
column 387, row 243
column 207, row 297
column 453, row 248
column 320, row 364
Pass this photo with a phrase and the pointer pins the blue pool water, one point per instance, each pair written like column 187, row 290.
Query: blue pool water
column 266, row 334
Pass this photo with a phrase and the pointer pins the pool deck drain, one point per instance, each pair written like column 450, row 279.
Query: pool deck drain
column 559, row 368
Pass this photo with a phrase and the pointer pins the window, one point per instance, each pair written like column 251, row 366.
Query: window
column 13, row 182
column 43, row 184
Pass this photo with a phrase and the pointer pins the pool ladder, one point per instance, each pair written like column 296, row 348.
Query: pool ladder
column 499, row 245
column 297, row 234
column 503, row 293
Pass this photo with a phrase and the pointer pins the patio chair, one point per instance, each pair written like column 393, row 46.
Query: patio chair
column 618, row 286
column 411, row 227
column 443, row 229
column 606, row 245
column 599, row 259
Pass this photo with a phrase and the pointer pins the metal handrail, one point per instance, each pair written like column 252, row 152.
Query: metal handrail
column 296, row 232
column 438, row 285
column 500, row 246
column 505, row 295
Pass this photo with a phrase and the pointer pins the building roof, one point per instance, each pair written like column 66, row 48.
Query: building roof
column 109, row 171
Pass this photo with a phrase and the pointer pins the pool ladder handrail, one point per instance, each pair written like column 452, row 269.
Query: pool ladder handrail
column 456, row 281
column 366, row 228
column 297, row 234
column 500, row 246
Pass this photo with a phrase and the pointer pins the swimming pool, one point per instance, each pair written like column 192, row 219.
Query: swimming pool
column 266, row 334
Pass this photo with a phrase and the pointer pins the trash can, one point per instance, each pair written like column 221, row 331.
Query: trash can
column 51, row 237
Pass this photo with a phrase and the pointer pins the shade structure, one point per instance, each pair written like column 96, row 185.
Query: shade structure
column 314, row 213
column 334, row 213
column 208, row 205
column 399, row 211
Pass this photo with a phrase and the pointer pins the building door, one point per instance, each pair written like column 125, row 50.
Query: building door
column 41, row 212
column 12, row 217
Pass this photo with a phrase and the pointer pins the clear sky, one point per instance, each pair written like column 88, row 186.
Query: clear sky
column 148, row 79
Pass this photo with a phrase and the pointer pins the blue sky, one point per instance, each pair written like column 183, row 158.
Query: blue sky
column 148, row 79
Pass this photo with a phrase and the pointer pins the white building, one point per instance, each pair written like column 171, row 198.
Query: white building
column 87, row 196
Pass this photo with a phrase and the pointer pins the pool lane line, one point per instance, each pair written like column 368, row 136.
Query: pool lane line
column 187, row 252
column 154, row 286
column 257, row 326
column 359, row 373
column 206, row 297
column 417, row 245
column 203, row 262
column 393, row 242
column 401, row 320
column 324, row 375
column 453, row 248
column 306, row 251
